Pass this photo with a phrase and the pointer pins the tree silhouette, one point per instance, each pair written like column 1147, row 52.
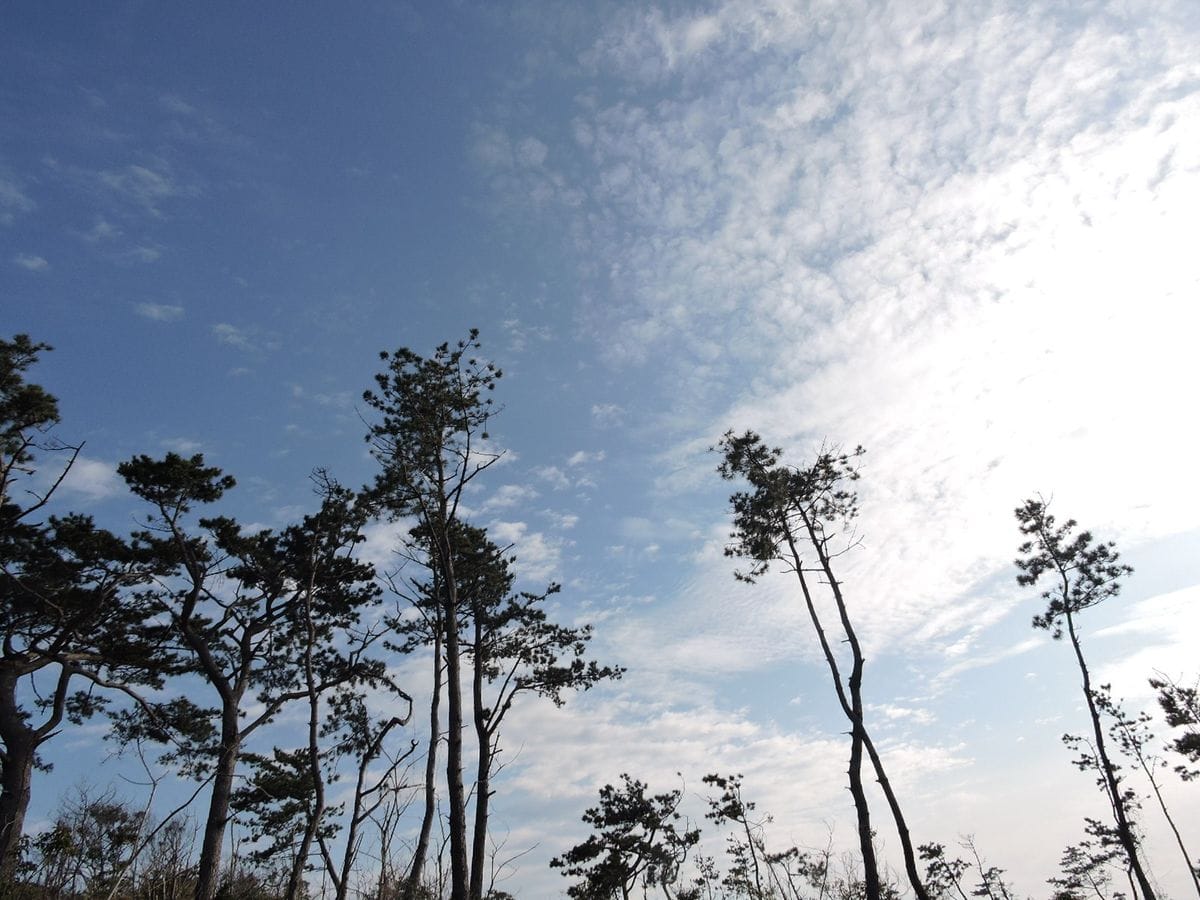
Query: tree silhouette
column 1082, row 574
column 802, row 517
column 1181, row 707
column 246, row 611
column 639, row 839
column 429, row 442
column 66, row 609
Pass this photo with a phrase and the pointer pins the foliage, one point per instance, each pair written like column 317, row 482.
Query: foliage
column 253, row 614
column 944, row 875
column 429, row 438
column 1181, row 708
column 1082, row 573
column 803, row 517
column 67, row 611
column 640, row 839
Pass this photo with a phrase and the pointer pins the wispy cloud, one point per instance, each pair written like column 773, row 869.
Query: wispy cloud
column 581, row 457
column 606, row 415
column 146, row 186
column 13, row 200
column 101, row 230
column 670, row 738
column 520, row 334
column 538, row 556
column 182, row 445
column 232, row 335
column 554, row 476
column 916, row 231
column 336, row 399
column 159, row 312
column 560, row 520
column 31, row 263
column 250, row 340
column 507, row 496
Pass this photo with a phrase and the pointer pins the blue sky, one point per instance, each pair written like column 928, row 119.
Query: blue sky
column 961, row 235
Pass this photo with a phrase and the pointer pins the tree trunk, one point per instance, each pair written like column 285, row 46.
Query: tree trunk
column 858, row 735
column 1112, row 785
column 435, row 702
column 483, row 767
column 313, row 821
column 209, row 868
column 459, row 883
column 21, row 741
column 20, row 748
column 906, row 847
column 862, row 810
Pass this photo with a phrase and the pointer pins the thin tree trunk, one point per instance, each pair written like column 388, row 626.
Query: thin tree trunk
column 753, row 850
column 459, row 878
column 1124, row 828
column 1162, row 804
column 422, row 849
column 209, row 867
column 295, row 880
column 483, row 765
column 862, row 810
column 906, row 847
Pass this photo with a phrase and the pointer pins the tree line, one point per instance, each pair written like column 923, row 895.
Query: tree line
column 800, row 518
column 194, row 635
column 247, row 625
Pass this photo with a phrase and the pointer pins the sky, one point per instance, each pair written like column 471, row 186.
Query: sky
column 961, row 235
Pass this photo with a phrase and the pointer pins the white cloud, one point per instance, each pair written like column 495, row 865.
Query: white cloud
column 232, row 335
column 160, row 312
column 561, row 521
column 507, row 496
column 143, row 253
column 13, row 200
column 183, row 446
column 249, row 339
column 520, row 333
column 337, row 399
column 176, row 105
column 671, row 741
column 554, row 476
column 580, row 457
column 93, row 479
column 531, row 152
column 101, row 230
column 920, row 233
column 538, row 556
column 894, row 712
column 1157, row 634
column 606, row 415
column 31, row 263
column 147, row 186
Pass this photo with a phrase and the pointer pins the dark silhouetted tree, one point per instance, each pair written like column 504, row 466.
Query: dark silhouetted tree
column 514, row 649
column 245, row 610
column 1181, row 708
column 1082, row 574
column 802, row 518
column 67, row 613
column 639, row 839
column 1132, row 736
column 429, row 439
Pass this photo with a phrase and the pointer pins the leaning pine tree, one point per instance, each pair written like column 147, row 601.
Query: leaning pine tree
column 1081, row 573
column 800, row 517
